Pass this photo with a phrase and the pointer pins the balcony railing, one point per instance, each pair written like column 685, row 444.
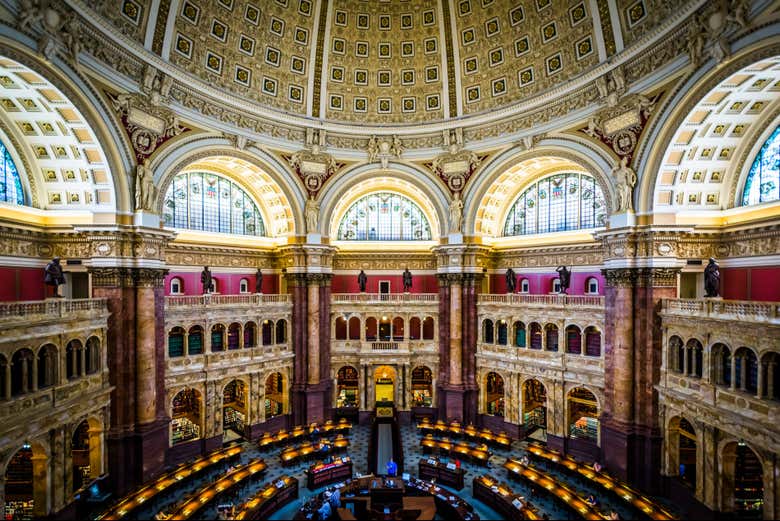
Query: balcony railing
column 751, row 311
column 542, row 300
column 384, row 346
column 381, row 298
column 53, row 308
column 254, row 299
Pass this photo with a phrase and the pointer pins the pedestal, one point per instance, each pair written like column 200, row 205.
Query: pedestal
column 147, row 219
column 622, row 220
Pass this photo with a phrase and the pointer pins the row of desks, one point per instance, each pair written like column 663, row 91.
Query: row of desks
column 308, row 450
column 329, row 427
column 501, row 498
column 455, row 428
column 323, row 474
column 638, row 501
column 479, row 455
column 561, row 492
column 168, row 481
column 269, row 499
column 205, row 495
column 447, row 474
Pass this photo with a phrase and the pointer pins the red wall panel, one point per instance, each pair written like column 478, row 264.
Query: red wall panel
column 21, row 284
column 734, row 283
column 349, row 283
column 541, row 283
column 765, row 284
column 227, row 283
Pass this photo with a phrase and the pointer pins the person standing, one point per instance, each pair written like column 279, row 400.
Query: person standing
column 392, row 467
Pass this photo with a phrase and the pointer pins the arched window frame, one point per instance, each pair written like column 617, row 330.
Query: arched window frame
column 11, row 190
column 176, row 286
column 525, row 286
column 185, row 205
column 363, row 220
column 574, row 214
column 243, row 286
column 592, row 286
column 766, row 170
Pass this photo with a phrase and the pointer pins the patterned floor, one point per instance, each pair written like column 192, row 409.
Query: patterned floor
column 358, row 451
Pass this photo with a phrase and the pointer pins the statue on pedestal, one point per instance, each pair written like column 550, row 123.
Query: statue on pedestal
column 712, row 279
column 565, row 277
column 407, row 280
column 511, row 280
column 362, row 279
column 259, row 281
column 206, row 280
column 53, row 275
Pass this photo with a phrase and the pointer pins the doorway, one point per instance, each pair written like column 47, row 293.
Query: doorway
column 384, row 385
column 384, row 289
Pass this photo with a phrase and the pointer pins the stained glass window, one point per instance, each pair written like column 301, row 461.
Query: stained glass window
column 384, row 216
column 557, row 203
column 208, row 202
column 10, row 183
column 763, row 182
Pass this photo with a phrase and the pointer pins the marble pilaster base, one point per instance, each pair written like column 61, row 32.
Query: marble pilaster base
column 451, row 398
column 153, row 444
column 584, row 450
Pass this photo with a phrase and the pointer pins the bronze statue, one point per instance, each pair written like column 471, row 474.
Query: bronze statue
column 712, row 279
column 53, row 275
column 565, row 277
column 362, row 279
column 511, row 280
column 407, row 280
column 259, row 281
column 206, row 281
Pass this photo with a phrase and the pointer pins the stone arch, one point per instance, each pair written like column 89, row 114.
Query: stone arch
column 347, row 386
column 276, row 394
column 339, row 194
column 92, row 110
column 582, row 416
column 30, row 463
column 87, row 436
column 187, row 415
column 509, row 172
column 729, row 452
column 48, row 365
column 746, row 51
column 236, row 405
column 216, row 154
column 682, row 449
column 533, row 404
column 494, row 392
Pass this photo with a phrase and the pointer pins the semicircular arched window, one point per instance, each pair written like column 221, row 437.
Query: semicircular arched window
column 210, row 203
column 557, row 203
column 10, row 182
column 763, row 181
column 384, row 216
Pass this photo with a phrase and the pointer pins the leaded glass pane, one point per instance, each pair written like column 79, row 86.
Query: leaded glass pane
column 557, row 203
column 384, row 216
column 763, row 182
column 208, row 202
column 10, row 182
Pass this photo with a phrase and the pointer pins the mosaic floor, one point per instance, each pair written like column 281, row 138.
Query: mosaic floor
column 358, row 451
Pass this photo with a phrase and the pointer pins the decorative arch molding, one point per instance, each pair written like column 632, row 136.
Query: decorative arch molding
column 748, row 152
column 761, row 44
column 567, row 153
column 350, row 185
column 97, row 116
column 198, row 150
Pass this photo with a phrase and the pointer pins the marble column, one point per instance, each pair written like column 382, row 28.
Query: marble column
column 314, row 332
column 456, row 330
column 443, row 343
column 296, row 284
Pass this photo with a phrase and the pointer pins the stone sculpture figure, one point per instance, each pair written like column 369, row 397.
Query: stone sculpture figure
column 373, row 149
column 53, row 275
column 712, row 279
column 145, row 191
column 626, row 180
column 259, row 281
column 362, row 279
column 407, row 280
column 456, row 211
column 565, row 277
column 206, row 280
column 511, row 280
column 312, row 211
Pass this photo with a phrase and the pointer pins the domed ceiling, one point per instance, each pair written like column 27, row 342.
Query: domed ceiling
column 386, row 61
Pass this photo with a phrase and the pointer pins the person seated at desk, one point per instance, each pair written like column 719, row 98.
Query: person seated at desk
column 613, row 515
column 592, row 501
column 392, row 467
column 325, row 511
column 524, row 460
column 597, row 466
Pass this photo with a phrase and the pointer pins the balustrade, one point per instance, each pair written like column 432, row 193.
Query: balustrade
column 51, row 308
column 211, row 300
column 542, row 300
column 743, row 310
column 383, row 298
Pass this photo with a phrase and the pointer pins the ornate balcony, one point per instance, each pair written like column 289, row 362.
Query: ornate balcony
column 733, row 310
column 385, row 298
column 544, row 301
column 50, row 309
column 211, row 301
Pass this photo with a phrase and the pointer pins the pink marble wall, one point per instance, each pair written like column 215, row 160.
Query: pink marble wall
column 227, row 283
column 541, row 283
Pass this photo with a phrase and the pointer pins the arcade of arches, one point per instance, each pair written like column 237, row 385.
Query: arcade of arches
column 570, row 234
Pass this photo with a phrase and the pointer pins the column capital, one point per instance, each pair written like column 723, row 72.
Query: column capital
column 620, row 277
column 149, row 277
column 114, row 277
column 450, row 279
column 658, row 277
column 319, row 279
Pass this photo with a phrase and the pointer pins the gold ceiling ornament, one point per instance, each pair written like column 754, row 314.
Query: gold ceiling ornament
column 384, row 150
column 313, row 165
column 148, row 124
column 620, row 126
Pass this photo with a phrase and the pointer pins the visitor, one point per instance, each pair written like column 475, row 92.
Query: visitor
column 325, row 511
column 597, row 466
column 335, row 498
column 524, row 460
column 592, row 501
column 392, row 467
column 613, row 515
